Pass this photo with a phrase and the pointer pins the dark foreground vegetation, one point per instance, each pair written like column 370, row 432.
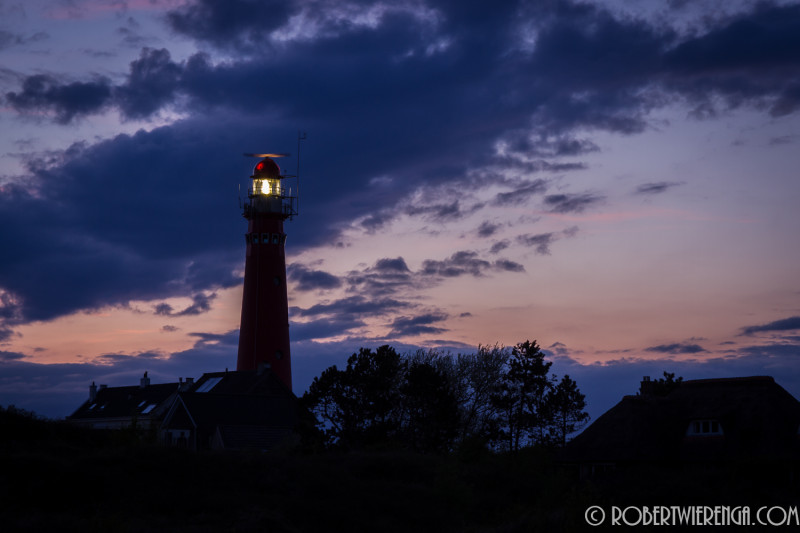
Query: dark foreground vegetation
column 390, row 443
column 58, row 478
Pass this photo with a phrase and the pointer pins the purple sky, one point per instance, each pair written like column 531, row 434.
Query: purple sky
column 617, row 180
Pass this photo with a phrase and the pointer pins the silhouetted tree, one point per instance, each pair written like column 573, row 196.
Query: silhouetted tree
column 476, row 378
column 358, row 406
column 433, row 402
column 566, row 405
column 324, row 400
column 520, row 398
column 430, row 409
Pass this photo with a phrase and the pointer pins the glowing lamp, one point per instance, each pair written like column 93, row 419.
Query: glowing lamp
column 266, row 178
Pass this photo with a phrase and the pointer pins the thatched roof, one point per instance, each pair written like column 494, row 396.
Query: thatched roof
column 759, row 420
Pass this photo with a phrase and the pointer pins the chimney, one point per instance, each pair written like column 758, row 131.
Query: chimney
column 185, row 385
column 144, row 382
column 92, row 392
column 646, row 387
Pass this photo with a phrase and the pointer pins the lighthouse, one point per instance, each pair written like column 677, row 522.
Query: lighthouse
column 264, row 330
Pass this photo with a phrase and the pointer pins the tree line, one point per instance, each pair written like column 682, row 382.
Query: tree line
column 497, row 398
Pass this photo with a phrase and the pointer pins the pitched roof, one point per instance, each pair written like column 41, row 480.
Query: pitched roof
column 241, row 382
column 759, row 419
column 120, row 402
column 207, row 411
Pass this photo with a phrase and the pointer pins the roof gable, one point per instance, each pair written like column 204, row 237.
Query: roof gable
column 211, row 410
column 120, row 402
column 263, row 382
column 758, row 419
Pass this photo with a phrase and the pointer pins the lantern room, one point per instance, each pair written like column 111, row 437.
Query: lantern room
column 266, row 178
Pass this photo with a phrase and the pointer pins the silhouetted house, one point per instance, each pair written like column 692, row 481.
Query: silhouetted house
column 243, row 410
column 704, row 421
column 140, row 406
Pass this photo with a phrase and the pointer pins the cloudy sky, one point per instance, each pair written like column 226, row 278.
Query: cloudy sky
column 616, row 179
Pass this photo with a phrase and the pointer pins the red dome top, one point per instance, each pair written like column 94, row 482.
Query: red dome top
column 267, row 169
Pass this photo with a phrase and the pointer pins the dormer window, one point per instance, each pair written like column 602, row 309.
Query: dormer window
column 704, row 427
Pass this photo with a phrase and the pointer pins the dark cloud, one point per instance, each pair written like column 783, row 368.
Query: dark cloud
column 391, row 266
column 201, row 303
column 541, row 241
column 750, row 58
column 309, row 280
column 619, row 69
column 352, row 305
column 438, row 212
column 151, row 84
column 122, row 225
column 9, row 39
column 771, row 352
column 571, row 203
column 10, row 356
column 5, row 333
column 466, row 263
column 42, row 93
column 499, row 246
column 214, row 338
column 785, row 324
column 417, row 325
column 570, row 231
column 521, row 194
column 122, row 359
column 387, row 283
column 323, row 328
column 543, row 145
column 387, row 276
column 163, row 309
column 676, row 348
column 230, row 23
column 458, row 264
column 508, row 266
column 487, row 229
column 168, row 328
column 656, row 188
column 379, row 220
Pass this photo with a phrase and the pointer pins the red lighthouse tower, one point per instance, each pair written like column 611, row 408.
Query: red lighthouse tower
column 264, row 331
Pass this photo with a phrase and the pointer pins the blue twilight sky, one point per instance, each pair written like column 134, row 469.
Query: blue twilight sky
column 615, row 179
